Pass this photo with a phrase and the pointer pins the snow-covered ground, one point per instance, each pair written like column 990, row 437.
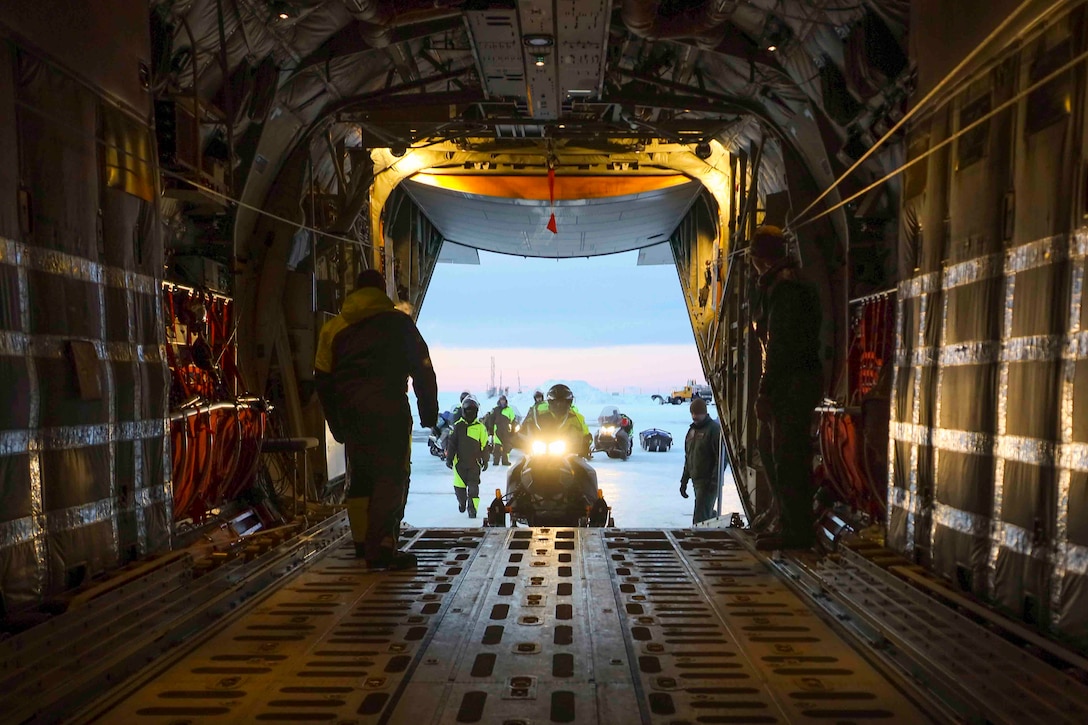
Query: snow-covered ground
column 644, row 490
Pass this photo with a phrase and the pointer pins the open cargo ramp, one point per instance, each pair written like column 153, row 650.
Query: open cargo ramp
column 546, row 625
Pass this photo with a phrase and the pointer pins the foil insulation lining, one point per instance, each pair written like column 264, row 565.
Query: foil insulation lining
column 916, row 411
column 1002, row 424
column 164, row 405
column 1068, row 456
column 138, row 446
column 1034, row 451
column 898, row 497
column 17, row 442
column 17, row 253
column 22, row 530
column 110, row 392
column 915, row 504
column 31, row 442
column 19, row 344
column 1069, row 558
column 935, row 451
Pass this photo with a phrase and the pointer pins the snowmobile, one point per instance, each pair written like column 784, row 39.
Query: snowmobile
column 436, row 441
column 613, row 437
column 550, row 487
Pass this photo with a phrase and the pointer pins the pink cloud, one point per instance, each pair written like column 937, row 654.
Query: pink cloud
column 652, row 368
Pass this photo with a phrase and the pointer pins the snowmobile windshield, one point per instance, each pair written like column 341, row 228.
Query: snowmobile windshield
column 610, row 414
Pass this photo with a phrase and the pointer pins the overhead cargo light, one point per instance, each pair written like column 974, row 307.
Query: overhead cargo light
column 283, row 10
column 538, row 41
column 579, row 92
column 540, row 61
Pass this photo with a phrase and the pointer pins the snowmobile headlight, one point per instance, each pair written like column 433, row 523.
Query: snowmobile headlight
column 539, row 448
column 557, row 448
column 608, row 430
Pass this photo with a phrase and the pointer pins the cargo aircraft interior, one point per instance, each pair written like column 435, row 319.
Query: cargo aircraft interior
column 190, row 188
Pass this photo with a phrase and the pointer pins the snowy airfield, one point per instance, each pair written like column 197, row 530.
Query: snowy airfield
column 644, row 490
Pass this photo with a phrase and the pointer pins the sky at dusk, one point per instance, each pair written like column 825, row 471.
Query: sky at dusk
column 602, row 320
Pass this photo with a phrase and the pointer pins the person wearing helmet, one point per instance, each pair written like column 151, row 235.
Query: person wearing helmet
column 455, row 415
column 557, row 415
column 364, row 358
column 788, row 324
column 467, row 453
column 500, row 423
column 556, row 418
column 538, row 400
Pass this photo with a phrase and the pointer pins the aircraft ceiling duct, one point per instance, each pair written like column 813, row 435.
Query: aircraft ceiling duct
column 377, row 18
column 645, row 20
column 542, row 54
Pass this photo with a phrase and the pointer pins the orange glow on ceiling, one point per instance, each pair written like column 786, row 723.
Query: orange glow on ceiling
column 536, row 187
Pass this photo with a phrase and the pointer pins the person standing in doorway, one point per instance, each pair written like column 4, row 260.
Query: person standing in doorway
column 364, row 358
column 790, row 387
column 701, row 448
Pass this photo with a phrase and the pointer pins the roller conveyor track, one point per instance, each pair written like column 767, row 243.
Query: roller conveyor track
column 982, row 676
column 525, row 626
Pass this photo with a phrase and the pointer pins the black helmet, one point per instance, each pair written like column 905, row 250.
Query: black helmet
column 465, row 394
column 538, row 396
column 469, row 408
column 560, row 398
column 503, row 401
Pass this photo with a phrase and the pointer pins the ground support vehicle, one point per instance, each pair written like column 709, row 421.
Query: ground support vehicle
column 686, row 394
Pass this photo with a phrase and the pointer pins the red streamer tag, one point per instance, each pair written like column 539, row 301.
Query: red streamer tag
column 551, row 200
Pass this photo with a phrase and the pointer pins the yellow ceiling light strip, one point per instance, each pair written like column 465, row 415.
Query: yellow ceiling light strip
column 536, row 187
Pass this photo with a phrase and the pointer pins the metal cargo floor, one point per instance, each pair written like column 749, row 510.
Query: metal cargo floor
column 526, row 626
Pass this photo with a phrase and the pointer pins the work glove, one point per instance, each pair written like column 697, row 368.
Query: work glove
column 684, row 489
column 483, row 465
column 449, row 463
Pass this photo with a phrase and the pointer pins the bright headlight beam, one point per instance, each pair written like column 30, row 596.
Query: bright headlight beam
column 557, row 448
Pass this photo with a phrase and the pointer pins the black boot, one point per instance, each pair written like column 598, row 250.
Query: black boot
column 392, row 560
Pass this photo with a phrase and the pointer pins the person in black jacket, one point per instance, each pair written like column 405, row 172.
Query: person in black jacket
column 500, row 423
column 790, row 388
column 467, row 452
column 701, row 447
column 455, row 416
column 365, row 356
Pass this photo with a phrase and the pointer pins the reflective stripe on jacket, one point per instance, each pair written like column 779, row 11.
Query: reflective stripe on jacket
column 468, row 446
